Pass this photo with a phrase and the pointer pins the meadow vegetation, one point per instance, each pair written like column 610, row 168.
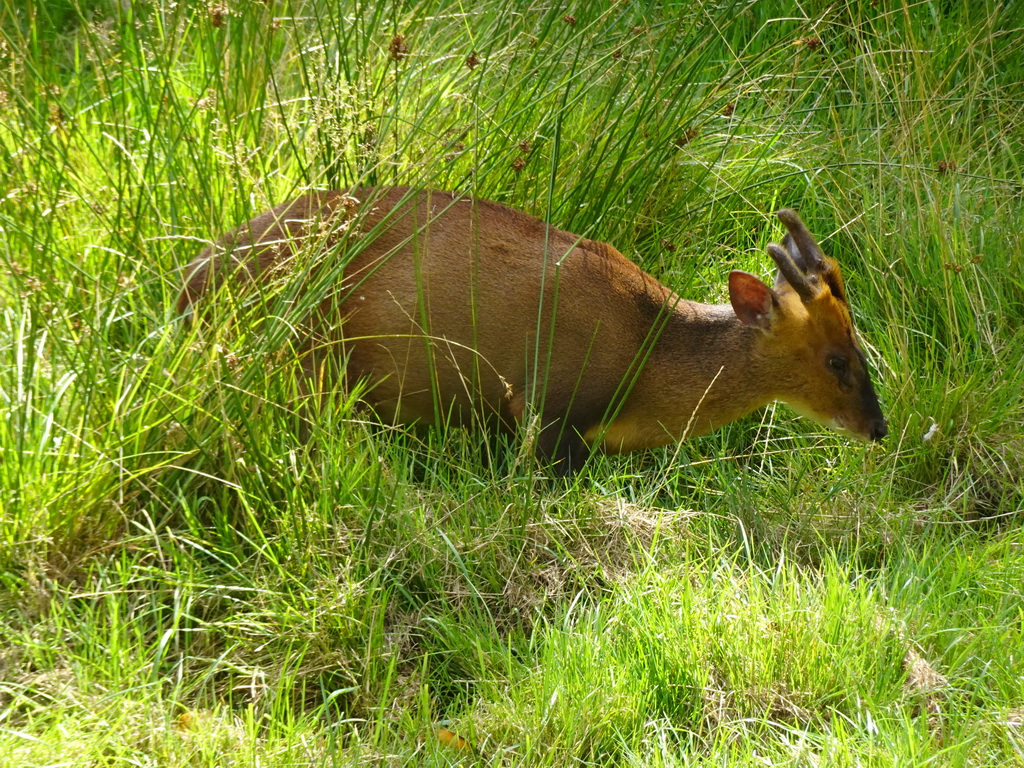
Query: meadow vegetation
column 189, row 576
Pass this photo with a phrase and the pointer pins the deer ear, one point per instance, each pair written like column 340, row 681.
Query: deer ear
column 752, row 301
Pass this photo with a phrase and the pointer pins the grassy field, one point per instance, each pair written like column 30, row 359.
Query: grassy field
column 186, row 580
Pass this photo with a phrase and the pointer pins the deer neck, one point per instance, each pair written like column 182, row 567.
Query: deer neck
column 703, row 369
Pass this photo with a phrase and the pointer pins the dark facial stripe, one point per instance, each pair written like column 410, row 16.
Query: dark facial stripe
column 833, row 285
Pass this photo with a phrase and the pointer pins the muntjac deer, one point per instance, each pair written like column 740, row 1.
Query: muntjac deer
column 453, row 308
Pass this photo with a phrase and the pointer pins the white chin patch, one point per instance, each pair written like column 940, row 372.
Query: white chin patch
column 836, row 425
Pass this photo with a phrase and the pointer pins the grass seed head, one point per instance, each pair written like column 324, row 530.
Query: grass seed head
column 684, row 138
column 217, row 12
column 206, row 101
column 398, row 49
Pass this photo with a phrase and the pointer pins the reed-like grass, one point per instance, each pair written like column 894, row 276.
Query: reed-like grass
column 191, row 575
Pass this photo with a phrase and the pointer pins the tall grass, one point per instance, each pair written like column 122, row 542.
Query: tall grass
column 191, row 575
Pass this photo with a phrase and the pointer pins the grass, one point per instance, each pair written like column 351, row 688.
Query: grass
column 185, row 580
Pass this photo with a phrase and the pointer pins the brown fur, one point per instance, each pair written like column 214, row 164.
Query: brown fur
column 454, row 309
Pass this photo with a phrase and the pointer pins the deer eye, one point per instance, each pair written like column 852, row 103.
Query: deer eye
column 838, row 364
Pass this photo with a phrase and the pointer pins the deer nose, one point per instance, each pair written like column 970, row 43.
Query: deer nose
column 879, row 430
